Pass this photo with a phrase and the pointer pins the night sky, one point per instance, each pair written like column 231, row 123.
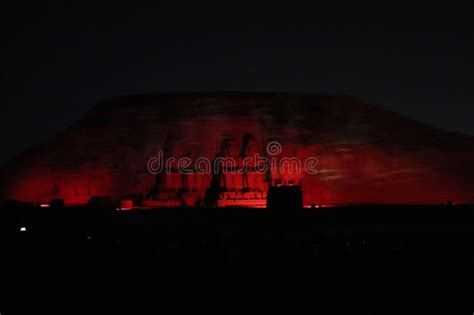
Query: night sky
column 59, row 59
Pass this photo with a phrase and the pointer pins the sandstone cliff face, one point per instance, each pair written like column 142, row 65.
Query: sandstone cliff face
column 365, row 154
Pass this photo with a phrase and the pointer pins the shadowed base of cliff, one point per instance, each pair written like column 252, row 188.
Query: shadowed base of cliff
column 346, row 260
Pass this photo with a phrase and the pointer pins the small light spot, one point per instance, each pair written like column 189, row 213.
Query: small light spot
column 23, row 229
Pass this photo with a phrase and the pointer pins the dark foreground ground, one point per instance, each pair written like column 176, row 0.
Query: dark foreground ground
column 355, row 260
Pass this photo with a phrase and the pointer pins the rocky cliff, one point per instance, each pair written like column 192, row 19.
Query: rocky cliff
column 365, row 154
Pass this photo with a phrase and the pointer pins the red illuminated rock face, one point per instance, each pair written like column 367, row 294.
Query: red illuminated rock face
column 365, row 154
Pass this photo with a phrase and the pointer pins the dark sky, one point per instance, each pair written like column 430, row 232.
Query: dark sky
column 59, row 59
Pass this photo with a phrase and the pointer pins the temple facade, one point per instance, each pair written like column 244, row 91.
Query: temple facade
column 362, row 153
